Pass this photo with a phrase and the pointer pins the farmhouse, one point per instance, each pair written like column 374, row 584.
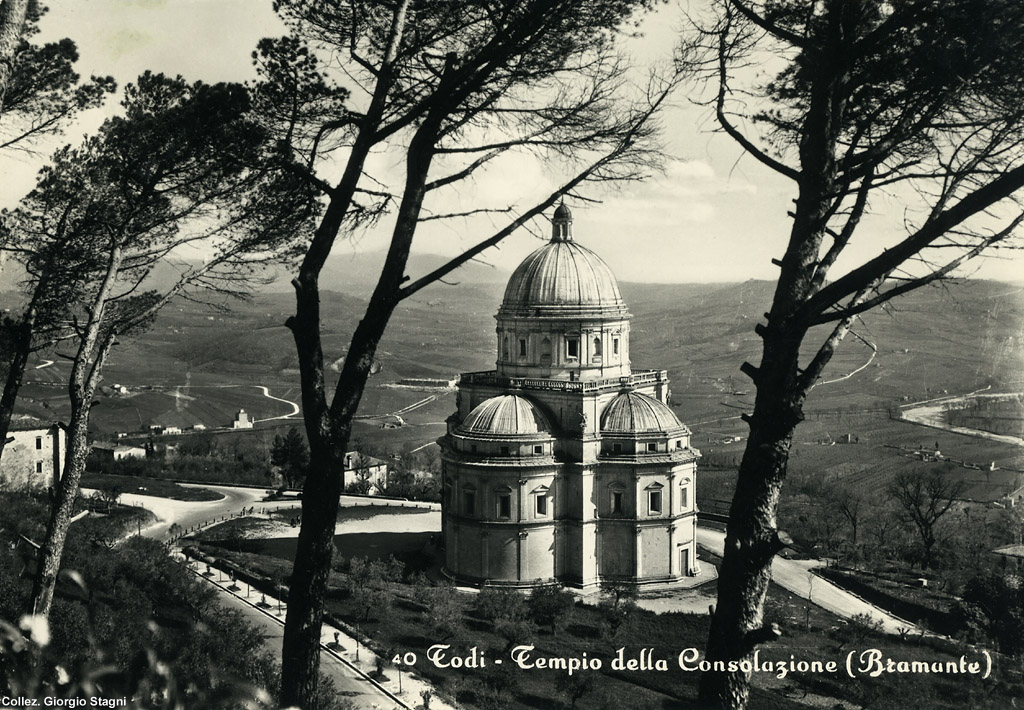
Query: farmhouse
column 369, row 473
column 34, row 455
column 564, row 463
column 116, row 452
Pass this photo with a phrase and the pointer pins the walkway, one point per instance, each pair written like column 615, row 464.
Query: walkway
column 346, row 662
column 350, row 675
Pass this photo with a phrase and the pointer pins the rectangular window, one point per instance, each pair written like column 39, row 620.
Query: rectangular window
column 472, row 448
column 617, row 448
column 616, row 502
column 652, row 447
column 505, row 505
column 538, row 449
column 542, row 505
column 615, row 346
column 504, row 451
column 654, row 502
column 572, row 347
column 522, row 347
column 468, row 502
column 39, row 442
column 39, row 466
column 684, row 497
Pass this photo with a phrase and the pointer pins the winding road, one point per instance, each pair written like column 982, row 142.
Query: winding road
column 290, row 415
column 797, row 577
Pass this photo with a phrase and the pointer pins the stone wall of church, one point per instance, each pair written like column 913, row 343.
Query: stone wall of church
column 655, row 551
column 616, row 544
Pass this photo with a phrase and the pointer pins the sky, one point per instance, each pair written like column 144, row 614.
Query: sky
column 712, row 215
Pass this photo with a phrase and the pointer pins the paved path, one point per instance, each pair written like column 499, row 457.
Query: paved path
column 796, row 576
column 350, row 675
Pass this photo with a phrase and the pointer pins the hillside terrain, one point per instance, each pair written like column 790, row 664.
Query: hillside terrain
column 200, row 366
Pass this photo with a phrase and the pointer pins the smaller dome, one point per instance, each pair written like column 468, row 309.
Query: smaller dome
column 636, row 413
column 506, row 415
column 563, row 212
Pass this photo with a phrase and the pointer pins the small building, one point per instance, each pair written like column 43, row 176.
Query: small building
column 172, row 430
column 34, row 454
column 198, row 427
column 370, row 472
column 242, row 421
column 120, row 390
column 116, row 452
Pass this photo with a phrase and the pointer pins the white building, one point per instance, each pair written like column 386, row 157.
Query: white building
column 117, row 452
column 371, row 473
column 34, row 455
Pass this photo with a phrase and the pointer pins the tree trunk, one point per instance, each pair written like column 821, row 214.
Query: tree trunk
column 752, row 538
column 63, row 503
column 85, row 376
column 329, row 431
column 62, row 508
column 22, row 346
column 12, row 25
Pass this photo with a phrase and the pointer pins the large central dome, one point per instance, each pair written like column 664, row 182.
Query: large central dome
column 562, row 278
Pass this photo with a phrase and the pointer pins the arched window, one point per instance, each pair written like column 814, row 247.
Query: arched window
column 504, row 349
column 545, row 351
column 597, row 348
column 617, row 493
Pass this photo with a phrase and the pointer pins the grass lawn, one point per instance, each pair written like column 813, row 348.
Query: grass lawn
column 147, row 486
column 375, row 546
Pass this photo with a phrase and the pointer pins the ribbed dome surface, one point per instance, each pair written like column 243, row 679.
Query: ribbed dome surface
column 506, row 415
column 562, row 275
column 636, row 413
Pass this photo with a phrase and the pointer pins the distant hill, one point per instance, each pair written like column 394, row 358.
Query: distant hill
column 957, row 338
column 353, row 272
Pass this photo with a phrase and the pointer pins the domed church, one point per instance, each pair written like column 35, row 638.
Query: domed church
column 564, row 464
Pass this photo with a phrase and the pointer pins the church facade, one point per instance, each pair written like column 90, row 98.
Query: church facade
column 565, row 464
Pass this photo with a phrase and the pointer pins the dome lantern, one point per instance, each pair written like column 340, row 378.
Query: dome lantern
column 561, row 224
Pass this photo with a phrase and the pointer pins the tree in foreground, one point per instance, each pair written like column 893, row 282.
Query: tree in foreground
column 39, row 94
column 39, row 89
column 447, row 88
column 181, row 168
column 919, row 100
